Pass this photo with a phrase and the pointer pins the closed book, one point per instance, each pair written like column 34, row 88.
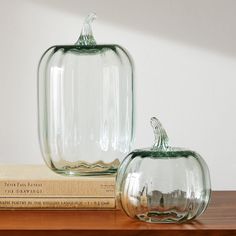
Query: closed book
column 55, row 203
column 40, row 181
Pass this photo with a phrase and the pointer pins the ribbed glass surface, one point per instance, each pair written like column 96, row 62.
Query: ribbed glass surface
column 85, row 108
column 174, row 187
column 163, row 184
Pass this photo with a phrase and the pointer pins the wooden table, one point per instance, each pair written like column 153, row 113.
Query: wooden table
column 219, row 219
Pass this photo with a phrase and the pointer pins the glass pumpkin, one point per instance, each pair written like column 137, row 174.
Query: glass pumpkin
column 162, row 183
column 85, row 101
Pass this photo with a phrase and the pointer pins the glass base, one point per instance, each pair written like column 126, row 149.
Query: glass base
column 163, row 217
column 82, row 168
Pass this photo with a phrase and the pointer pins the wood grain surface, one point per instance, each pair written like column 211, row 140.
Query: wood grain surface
column 219, row 219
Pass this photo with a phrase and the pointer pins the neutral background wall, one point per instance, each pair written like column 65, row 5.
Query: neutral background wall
column 185, row 57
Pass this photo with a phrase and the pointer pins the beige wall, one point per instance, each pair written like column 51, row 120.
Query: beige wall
column 185, row 57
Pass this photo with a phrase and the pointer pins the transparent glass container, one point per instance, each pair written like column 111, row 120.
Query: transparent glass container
column 85, row 102
column 163, row 184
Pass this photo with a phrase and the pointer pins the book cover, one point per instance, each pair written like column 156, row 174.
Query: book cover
column 40, row 181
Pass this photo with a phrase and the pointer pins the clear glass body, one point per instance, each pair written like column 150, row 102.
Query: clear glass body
column 158, row 187
column 85, row 100
column 163, row 184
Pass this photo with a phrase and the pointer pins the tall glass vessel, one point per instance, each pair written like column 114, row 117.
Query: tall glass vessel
column 85, row 101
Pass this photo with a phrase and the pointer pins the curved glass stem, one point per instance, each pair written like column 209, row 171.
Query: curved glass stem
column 86, row 35
column 161, row 138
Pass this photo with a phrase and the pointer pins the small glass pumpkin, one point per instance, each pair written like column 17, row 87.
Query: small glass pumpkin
column 162, row 183
column 85, row 102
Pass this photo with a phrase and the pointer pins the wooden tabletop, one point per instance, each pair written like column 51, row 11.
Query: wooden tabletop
column 219, row 219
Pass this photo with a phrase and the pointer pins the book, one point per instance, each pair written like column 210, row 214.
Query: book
column 38, row 187
column 40, row 181
column 61, row 203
